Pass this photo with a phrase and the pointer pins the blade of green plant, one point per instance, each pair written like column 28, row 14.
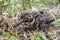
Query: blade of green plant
column 13, row 38
column 57, row 22
column 44, row 1
column 1, row 3
column 35, row 0
column 9, row 1
column 1, row 6
column 40, row 37
column 10, row 10
column 7, row 34
column 20, row 3
column 37, row 9
column 34, row 9
column 0, row 36
column 15, row 8
column 40, row 8
column 11, row 7
column 10, row 36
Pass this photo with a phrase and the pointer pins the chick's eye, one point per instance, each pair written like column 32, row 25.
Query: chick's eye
column 41, row 12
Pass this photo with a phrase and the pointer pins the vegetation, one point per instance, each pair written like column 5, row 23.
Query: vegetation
column 29, row 19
